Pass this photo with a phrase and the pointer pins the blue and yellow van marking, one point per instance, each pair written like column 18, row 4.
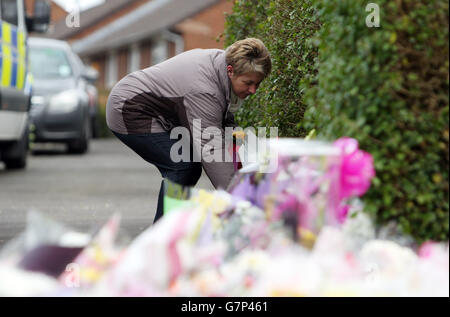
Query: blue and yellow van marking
column 13, row 61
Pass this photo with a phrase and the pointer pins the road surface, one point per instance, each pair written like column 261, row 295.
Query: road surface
column 82, row 191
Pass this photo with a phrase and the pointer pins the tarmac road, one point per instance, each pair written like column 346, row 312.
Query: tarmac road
column 82, row 191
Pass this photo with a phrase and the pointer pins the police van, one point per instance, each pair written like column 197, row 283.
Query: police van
column 15, row 77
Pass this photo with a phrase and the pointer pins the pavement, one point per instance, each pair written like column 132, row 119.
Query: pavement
column 82, row 191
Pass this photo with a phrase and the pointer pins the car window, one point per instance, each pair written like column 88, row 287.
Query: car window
column 9, row 11
column 77, row 62
column 49, row 63
column 77, row 59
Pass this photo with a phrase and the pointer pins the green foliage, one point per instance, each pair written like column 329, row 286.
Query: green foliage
column 103, row 130
column 387, row 87
column 286, row 27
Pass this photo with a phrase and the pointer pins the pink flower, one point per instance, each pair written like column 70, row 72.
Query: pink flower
column 426, row 249
column 342, row 213
column 356, row 169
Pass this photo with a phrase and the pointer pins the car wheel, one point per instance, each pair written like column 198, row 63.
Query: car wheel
column 81, row 145
column 15, row 156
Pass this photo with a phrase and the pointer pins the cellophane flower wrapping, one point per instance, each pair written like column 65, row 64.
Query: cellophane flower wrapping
column 300, row 230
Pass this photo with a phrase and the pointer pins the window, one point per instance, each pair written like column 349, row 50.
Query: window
column 9, row 11
column 111, row 70
column 134, row 58
column 55, row 60
column 159, row 52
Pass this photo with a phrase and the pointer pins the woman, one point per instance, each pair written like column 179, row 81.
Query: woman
column 203, row 84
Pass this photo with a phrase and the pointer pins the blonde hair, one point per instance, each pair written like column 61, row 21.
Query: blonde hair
column 249, row 55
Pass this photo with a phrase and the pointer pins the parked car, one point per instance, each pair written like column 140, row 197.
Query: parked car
column 62, row 95
column 91, row 75
column 15, row 77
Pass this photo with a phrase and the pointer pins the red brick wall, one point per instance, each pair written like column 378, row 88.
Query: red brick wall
column 99, row 63
column 56, row 12
column 122, row 60
column 146, row 54
column 171, row 49
column 202, row 29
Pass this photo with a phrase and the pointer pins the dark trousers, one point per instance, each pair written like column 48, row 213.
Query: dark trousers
column 155, row 149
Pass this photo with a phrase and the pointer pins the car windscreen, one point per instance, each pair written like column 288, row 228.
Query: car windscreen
column 49, row 63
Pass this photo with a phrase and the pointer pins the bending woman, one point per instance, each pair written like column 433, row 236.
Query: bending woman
column 207, row 85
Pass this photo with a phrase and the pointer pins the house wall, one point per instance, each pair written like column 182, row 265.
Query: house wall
column 99, row 63
column 146, row 54
column 202, row 29
column 56, row 12
column 122, row 60
column 171, row 49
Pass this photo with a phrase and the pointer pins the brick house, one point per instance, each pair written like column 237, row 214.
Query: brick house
column 57, row 13
column 121, row 36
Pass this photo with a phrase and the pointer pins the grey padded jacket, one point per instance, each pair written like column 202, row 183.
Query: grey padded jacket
column 191, row 85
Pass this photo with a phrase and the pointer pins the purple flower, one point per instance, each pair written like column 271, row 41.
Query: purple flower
column 244, row 190
column 261, row 193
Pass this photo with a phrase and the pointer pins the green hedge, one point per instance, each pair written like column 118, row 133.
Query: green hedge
column 386, row 87
column 286, row 27
column 103, row 130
